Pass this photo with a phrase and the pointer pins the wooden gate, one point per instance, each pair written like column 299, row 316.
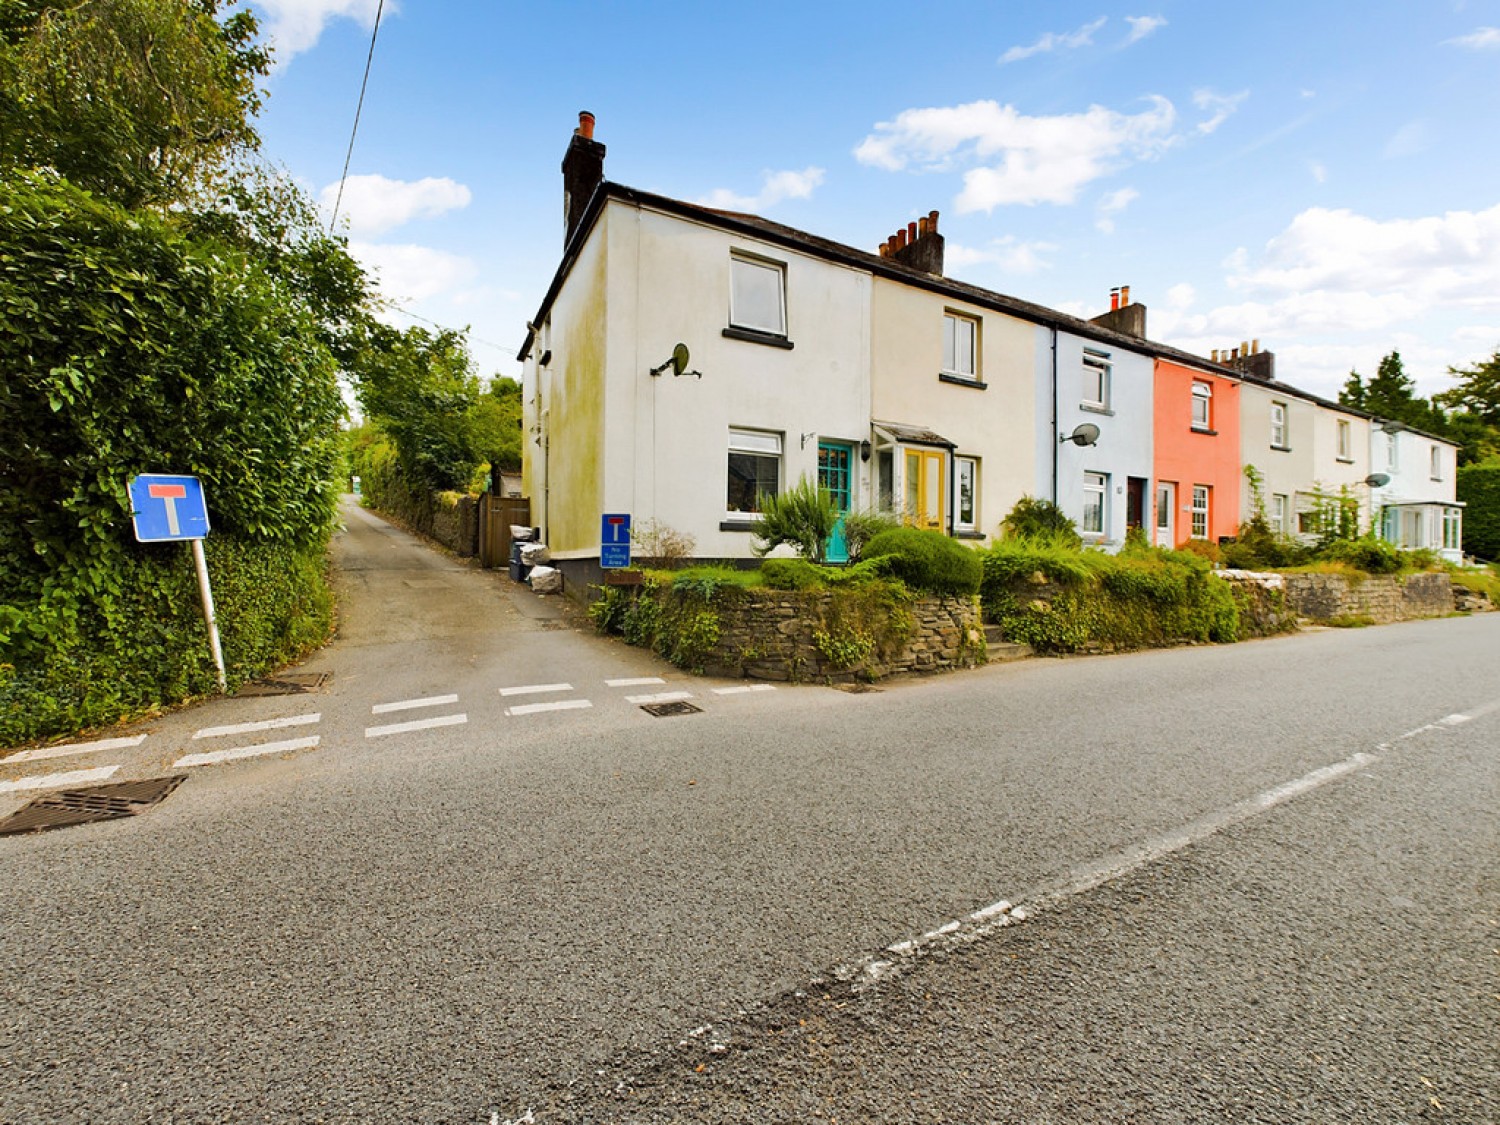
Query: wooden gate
column 496, row 514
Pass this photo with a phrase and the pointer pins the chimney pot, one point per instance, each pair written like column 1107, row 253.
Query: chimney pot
column 586, row 125
column 932, row 221
column 911, row 232
column 922, row 226
column 1244, row 347
column 1214, row 355
column 1255, row 347
column 900, row 239
column 1124, row 295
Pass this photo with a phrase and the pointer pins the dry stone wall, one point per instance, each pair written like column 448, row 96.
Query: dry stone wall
column 790, row 635
column 1324, row 597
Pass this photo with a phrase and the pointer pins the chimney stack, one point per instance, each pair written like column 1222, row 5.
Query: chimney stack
column 1123, row 317
column 918, row 245
column 583, row 172
column 1249, row 360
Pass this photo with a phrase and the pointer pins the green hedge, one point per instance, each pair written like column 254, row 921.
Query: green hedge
column 1059, row 600
column 1479, row 489
column 927, row 561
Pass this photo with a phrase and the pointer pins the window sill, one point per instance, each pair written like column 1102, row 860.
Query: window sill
column 739, row 525
column 961, row 381
column 1095, row 408
column 752, row 336
column 1205, row 430
column 1281, row 448
column 1344, row 460
column 968, row 535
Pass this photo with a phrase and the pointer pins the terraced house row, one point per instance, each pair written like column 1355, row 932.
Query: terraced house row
column 899, row 388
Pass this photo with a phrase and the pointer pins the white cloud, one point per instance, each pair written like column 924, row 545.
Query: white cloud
column 406, row 273
column 1142, row 26
column 1053, row 41
column 1218, row 106
column 1009, row 253
column 373, row 204
column 1111, row 205
column 1408, row 140
column 1024, row 159
column 1481, row 39
column 295, row 25
column 774, row 187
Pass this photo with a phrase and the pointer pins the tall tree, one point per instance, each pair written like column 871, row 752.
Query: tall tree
column 1353, row 393
column 1478, row 390
column 138, row 101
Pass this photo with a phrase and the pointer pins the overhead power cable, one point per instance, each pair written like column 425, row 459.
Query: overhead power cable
column 360, row 105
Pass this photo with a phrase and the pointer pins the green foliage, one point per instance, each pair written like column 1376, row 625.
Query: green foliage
column 927, row 561
column 1478, row 390
column 1257, row 547
column 1057, row 600
column 138, row 101
column 706, row 581
column 495, row 423
column 1479, row 488
column 793, row 574
column 1369, row 554
column 1033, row 518
column 1332, row 516
column 861, row 527
column 802, row 517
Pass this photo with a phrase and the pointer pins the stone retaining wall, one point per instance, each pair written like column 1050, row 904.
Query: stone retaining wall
column 1265, row 608
column 774, row 635
column 1323, row 597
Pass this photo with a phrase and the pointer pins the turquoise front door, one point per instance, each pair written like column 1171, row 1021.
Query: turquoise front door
column 834, row 477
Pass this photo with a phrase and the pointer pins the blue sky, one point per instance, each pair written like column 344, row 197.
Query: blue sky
column 1322, row 177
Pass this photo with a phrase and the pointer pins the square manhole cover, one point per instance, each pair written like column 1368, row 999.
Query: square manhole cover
column 287, row 683
column 67, row 807
column 673, row 707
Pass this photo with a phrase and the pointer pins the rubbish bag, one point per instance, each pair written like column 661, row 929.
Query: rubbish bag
column 546, row 580
column 535, row 554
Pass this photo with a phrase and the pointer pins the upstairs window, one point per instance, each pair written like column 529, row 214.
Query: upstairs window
column 1437, row 463
column 757, row 295
column 1203, row 397
column 1346, row 444
column 1278, row 425
column 961, row 347
column 1096, row 380
column 1392, row 453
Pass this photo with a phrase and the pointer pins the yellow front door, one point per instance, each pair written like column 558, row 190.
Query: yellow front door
column 924, row 488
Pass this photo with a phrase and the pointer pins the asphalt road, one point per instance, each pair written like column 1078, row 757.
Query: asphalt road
column 583, row 913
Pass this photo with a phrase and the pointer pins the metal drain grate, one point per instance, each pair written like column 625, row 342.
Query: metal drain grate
column 67, row 807
column 288, row 683
column 675, row 707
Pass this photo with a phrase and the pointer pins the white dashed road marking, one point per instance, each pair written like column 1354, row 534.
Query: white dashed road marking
column 416, row 724
column 412, row 704
column 264, row 724
column 44, row 752
column 535, row 689
column 638, row 681
column 560, row 705
column 659, row 697
column 57, row 780
column 213, row 757
column 742, row 690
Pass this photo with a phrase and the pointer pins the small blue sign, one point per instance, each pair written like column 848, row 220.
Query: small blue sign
column 614, row 540
column 167, row 508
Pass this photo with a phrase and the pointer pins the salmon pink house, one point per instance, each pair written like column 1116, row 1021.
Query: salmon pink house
column 1197, row 431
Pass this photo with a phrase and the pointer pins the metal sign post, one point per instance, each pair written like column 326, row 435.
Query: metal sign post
column 167, row 509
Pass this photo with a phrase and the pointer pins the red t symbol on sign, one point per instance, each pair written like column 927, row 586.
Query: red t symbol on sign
column 171, row 493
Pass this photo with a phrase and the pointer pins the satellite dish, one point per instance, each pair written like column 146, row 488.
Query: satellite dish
column 1085, row 433
column 679, row 359
column 1378, row 480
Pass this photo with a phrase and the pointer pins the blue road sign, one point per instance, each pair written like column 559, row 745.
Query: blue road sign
column 614, row 540
column 168, row 508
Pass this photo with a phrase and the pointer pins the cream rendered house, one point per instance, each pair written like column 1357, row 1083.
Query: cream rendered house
column 1417, row 506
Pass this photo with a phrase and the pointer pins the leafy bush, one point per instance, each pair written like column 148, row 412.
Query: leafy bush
column 927, row 561
column 792, row 574
column 1371, row 555
column 1479, row 488
column 861, row 527
column 1257, row 547
column 1033, row 518
column 802, row 517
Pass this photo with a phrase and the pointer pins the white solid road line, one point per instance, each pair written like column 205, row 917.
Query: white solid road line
column 264, row 724
column 411, row 704
column 535, row 689
column 638, row 681
column 57, row 780
column 659, row 697
column 560, row 705
column 44, row 752
column 417, row 724
column 213, row 757
column 743, row 690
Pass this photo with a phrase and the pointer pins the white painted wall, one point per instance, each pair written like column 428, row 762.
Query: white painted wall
column 1413, row 482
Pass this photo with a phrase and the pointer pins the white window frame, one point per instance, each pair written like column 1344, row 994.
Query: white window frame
column 1198, row 523
column 1095, row 484
column 1097, row 373
column 955, row 327
column 1279, row 426
column 1345, row 440
column 1437, row 462
column 1281, row 505
column 1452, row 529
column 962, row 465
column 739, row 316
column 1203, row 398
column 1392, row 452
column 754, row 443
